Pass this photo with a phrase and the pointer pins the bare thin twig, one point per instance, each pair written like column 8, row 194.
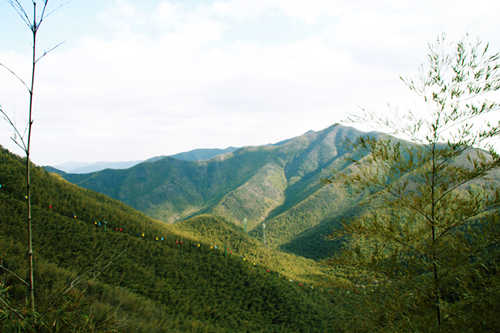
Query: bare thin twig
column 16, row 142
column 23, row 145
column 20, row 11
column 93, row 271
column 42, row 16
column 56, row 9
column 48, row 51
column 16, row 76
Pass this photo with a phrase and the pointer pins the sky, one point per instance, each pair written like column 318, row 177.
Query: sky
column 137, row 79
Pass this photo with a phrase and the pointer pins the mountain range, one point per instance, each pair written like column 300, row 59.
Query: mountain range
column 88, row 167
column 276, row 185
column 274, row 191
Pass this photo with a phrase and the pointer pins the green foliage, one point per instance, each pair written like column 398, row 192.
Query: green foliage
column 315, row 242
column 216, row 231
column 96, row 280
column 428, row 244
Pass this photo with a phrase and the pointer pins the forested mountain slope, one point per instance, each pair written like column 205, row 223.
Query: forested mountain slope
column 279, row 184
column 137, row 274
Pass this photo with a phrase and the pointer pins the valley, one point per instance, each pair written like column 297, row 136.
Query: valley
column 239, row 242
column 277, row 184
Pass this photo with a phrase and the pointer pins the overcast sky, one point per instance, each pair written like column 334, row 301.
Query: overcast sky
column 136, row 79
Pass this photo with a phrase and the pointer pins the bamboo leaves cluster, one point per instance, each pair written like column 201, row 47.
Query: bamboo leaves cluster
column 430, row 222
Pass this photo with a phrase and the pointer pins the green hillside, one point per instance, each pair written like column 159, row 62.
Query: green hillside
column 225, row 236
column 171, row 189
column 124, row 281
column 277, row 184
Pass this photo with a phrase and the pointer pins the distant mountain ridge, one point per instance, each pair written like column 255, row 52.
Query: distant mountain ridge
column 202, row 154
column 84, row 167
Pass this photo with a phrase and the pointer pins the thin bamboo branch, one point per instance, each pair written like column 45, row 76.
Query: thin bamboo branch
column 14, row 273
column 17, row 143
column 48, row 51
column 11, row 309
column 477, row 212
column 413, row 208
column 42, row 16
column 28, row 179
column 94, row 271
column 33, row 25
column 20, row 11
column 11, row 123
column 458, row 184
column 56, row 9
column 16, row 76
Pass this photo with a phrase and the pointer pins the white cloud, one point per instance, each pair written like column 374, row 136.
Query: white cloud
column 176, row 76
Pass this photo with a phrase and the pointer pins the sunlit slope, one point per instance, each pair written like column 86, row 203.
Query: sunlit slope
column 251, row 203
column 228, row 238
column 279, row 184
column 171, row 189
column 195, row 286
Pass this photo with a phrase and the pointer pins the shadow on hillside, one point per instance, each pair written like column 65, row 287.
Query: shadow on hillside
column 314, row 243
column 316, row 279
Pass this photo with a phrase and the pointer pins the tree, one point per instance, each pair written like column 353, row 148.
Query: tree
column 429, row 231
column 33, row 22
